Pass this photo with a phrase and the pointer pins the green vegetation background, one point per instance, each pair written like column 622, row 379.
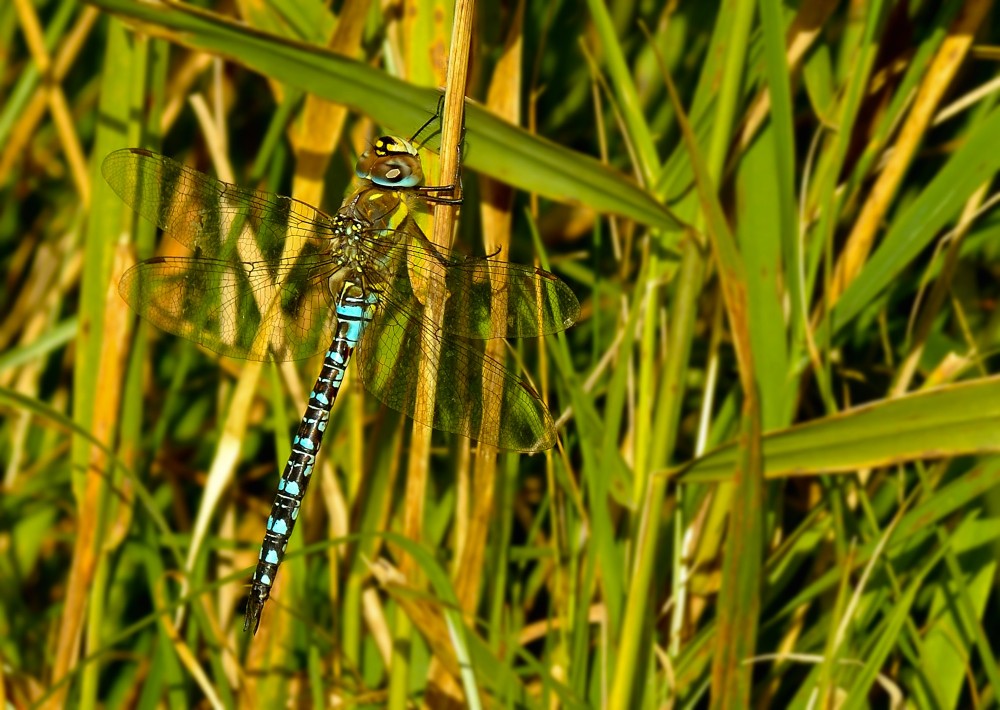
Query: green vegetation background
column 776, row 476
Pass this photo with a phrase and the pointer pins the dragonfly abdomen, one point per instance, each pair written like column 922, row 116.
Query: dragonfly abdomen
column 354, row 313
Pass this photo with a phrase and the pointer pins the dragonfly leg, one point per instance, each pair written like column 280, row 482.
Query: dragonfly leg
column 426, row 194
column 436, row 116
column 455, row 188
column 418, row 234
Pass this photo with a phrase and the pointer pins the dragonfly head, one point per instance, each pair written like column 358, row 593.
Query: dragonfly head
column 391, row 162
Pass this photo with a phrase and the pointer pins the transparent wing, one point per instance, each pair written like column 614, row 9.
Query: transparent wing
column 256, row 285
column 214, row 218
column 475, row 396
column 487, row 298
column 259, row 274
column 249, row 310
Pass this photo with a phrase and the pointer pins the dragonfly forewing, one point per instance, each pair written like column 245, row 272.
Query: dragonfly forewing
column 488, row 298
column 214, row 218
column 256, row 284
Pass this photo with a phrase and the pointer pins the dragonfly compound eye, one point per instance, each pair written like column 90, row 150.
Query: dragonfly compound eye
column 398, row 171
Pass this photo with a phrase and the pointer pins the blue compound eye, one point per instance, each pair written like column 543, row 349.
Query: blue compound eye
column 397, row 173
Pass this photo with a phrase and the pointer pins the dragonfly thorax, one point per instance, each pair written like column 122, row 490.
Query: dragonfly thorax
column 391, row 162
column 357, row 261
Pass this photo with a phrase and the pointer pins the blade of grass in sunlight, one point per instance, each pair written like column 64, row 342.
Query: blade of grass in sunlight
column 496, row 147
column 952, row 420
column 972, row 165
column 740, row 596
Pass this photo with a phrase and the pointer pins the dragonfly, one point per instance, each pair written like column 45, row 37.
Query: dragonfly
column 271, row 278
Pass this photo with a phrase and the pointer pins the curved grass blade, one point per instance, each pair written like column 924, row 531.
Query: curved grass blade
column 497, row 148
column 953, row 420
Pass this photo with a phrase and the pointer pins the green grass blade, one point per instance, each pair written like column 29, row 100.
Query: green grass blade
column 495, row 147
column 952, row 420
column 971, row 166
